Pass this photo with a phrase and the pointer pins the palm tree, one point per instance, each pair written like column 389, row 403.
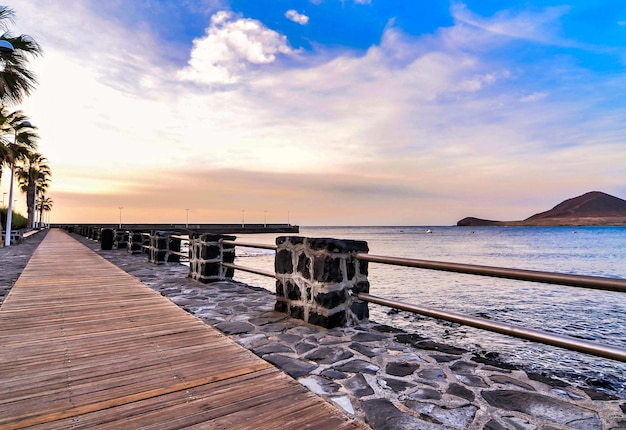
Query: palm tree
column 44, row 204
column 33, row 175
column 16, row 81
column 17, row 140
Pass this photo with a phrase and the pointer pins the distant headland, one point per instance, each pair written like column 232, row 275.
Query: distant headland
column 594, row 208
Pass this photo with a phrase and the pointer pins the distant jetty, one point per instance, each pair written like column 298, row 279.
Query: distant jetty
column 594, row 208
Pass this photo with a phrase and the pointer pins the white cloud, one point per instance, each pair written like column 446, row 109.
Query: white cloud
column 229, row 47
column 294, row 16
column 534, row 97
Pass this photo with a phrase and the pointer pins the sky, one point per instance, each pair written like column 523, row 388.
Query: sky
column 325, row 112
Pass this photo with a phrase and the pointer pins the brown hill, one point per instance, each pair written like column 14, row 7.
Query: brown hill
column 593, row 208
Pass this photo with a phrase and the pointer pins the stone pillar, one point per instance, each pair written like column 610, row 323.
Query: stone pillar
column 206, row 255
column 161, row 243
column 121, row 239
column 136, row 240
column 317, row 280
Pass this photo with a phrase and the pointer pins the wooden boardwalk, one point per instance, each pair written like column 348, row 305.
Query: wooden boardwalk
column 85, row 345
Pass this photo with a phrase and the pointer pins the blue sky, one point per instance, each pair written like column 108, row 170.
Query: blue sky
column 336, row 112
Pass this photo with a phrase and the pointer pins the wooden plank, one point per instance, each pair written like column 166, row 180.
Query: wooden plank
column 85, row 345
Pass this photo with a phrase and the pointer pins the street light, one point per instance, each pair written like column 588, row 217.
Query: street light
column 264, row 219
column 120, row 208
column 187, row 219
column 7, row 238
column 243, row 220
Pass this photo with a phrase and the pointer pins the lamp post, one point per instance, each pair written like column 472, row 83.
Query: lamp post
column 7, row 238
column 187, row 219
column 243, row 220
column 264, row 219
column 120, row 208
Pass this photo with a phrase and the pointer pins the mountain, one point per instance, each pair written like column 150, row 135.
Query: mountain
column 593, row 208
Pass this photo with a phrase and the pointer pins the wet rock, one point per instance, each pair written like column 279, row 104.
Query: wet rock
column 368, row 337
column 358, row 366
column 541, row 406
column 401, row 368
column 381, row 414
column 358, row 386
column 327, row 355
column 293, row 367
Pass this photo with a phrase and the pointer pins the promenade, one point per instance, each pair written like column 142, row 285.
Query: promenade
column 377, row 374
column 85, row 345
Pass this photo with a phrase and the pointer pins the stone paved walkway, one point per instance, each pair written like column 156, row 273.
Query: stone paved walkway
column 387, row 378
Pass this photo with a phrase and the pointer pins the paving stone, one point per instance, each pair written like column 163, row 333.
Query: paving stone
column 425, row 393
column 293, row 367
column 456, row 417
column 325, row 355
column 396, row 385
column 365, row 350
column 319, row 385
column 235, row 327
column 358, row 366
column 358, row 386
column 272, row 348
column 541, row 406
column 460, row 391
column 472, row 380
column 507, row 380
column 463, row 368
column 382, row 414
column 333, row 374
column 401, row 368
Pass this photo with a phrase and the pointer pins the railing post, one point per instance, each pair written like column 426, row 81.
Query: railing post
column 161, row 244
column 206, row 255
column 135, row 242
column 121, row 238
column 318, row 279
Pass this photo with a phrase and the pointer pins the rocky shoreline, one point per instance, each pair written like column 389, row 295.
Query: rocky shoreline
column 381, row 375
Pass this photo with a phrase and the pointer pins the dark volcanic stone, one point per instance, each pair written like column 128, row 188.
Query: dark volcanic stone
column 397, row 385
column 494, row 425
column 425, row 394
column 293, row 367
column 362, row 349
column 234, row 327
column 463, row 368
column 358, row 386
column 358, row 366
column 325, row 355
column 445, row 358
column 540, row 406
column 546, row 380
column 503, row 379
column 368, row 337
column 333, row 374
column 401, row 368
column 460, row 391
column 381, row 414
column 271, row 348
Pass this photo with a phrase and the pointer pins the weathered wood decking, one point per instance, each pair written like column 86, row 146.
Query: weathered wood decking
column 85, row 345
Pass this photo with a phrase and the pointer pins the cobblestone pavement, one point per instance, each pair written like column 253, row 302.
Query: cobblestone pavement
column 383, row 376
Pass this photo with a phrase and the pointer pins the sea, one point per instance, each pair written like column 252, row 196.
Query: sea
column 595, row 315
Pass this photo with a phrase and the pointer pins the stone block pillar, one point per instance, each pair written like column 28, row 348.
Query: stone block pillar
column 317, row 280
column 121, row 239
column 136, row 241
column 161, row 243
column 206, row 255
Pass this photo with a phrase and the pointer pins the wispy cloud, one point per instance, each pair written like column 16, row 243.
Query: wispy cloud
column 296, row 17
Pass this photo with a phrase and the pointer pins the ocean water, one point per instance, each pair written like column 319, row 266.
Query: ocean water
column 595, row 315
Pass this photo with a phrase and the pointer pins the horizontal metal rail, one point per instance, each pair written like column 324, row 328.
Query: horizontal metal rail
column 250, row 244
column 594, row 282
column 597, row 349
column 250, row 269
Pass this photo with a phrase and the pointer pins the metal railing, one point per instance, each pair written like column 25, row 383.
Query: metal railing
column 562, row 341
column 250, row 269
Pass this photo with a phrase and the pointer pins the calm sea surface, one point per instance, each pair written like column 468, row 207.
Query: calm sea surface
column 583, row 313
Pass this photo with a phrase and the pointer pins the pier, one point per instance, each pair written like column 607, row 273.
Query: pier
column 379, row 376
column 85, row 345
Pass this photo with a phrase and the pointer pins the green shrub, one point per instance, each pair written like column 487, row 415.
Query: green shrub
column 17, row 222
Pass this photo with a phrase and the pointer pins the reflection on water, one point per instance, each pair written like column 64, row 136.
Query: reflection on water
column 583, row 313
